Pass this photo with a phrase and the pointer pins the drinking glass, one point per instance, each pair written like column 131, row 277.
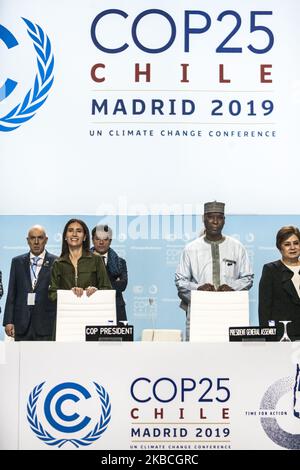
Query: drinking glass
column 285, row 337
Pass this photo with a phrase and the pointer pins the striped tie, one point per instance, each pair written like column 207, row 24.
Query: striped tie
column 33, row 270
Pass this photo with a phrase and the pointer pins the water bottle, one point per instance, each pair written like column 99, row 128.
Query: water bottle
column 297, row 393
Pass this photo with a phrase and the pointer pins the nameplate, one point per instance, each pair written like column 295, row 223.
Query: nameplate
column 252, row 333
column 109, row 333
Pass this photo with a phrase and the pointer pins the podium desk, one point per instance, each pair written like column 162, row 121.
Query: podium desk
column 149, row 395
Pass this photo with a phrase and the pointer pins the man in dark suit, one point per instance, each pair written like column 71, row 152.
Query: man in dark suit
column 115, row 266
column 29, row 315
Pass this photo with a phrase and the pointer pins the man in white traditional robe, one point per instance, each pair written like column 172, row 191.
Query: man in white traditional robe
column 212, row 262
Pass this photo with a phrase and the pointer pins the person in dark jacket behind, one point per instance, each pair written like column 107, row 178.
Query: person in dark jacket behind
column 279, row 287
column 115, row 266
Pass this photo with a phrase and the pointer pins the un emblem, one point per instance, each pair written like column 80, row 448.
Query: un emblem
column 58, row 410
column 43, row 81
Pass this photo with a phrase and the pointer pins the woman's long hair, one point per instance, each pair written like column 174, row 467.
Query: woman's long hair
column 86, row 242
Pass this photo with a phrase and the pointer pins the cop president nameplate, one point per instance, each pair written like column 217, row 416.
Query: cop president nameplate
column 109, row 333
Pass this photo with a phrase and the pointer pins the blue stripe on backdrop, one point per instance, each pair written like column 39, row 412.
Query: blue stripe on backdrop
column 151, row 246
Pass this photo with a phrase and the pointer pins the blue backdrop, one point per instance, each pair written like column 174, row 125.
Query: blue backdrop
column 151, row 246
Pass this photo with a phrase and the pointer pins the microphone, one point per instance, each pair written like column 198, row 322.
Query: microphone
column 151, row 309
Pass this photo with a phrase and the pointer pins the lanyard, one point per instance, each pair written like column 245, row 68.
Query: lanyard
column 33, row 267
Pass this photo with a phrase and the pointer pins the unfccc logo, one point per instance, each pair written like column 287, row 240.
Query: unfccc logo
column 38, row 93
column 55, row 420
